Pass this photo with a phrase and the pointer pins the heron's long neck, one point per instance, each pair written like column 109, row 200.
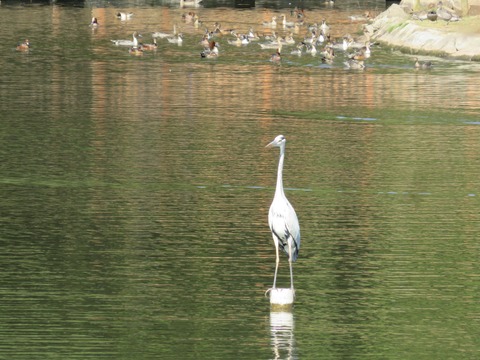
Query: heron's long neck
column 279, row 189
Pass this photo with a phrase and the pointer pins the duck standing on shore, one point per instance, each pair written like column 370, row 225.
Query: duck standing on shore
column 446, row 14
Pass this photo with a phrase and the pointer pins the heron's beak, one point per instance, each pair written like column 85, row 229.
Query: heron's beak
column 271, row 144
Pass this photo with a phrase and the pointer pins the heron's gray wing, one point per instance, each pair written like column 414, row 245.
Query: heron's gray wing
column 283, row 222
column 293, row 227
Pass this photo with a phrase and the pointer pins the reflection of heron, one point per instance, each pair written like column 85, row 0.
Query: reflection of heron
column 282, row 335
column 282, row 218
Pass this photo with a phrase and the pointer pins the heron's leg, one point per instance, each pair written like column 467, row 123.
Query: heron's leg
column 277, row 261
column 291, row 273
column 290, row 261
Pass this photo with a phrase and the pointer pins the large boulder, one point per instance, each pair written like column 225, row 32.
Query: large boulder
column 396, row 28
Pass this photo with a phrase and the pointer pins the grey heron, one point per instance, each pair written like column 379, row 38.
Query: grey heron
column 282, row 218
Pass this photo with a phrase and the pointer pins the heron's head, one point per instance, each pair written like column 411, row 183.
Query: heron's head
column 278, row 141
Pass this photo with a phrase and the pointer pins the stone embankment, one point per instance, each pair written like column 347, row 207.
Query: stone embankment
column 396, row 27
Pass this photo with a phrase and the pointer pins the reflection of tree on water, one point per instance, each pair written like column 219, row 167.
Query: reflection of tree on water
column 282, row 335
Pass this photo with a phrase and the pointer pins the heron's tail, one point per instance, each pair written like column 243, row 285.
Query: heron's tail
column 295, row 251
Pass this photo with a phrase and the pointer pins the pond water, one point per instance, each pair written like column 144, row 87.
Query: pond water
column 135, row 193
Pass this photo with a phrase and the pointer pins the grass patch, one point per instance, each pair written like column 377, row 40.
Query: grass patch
column 398, row 26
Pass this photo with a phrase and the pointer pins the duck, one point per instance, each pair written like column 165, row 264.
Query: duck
column 239, row 39
column 363, row 17
column 236, row 42
column 363, row 53
column 446, row 14
column 311, row 49
column 328, row 55
column 136, row 50
column 124, row 16
column 310, row 38
column 432, row 15
column 133, row 43
column 324, row 28
column 205, row 41
column 94, row 23
column 423, row 65
column 320, row 39
column 189, row 17
column 190, row 3
column 347, row 41
column 298, row 13
column 217, row 30
column 271, row 37
column 276, row 57
column 420, row 15
column 150, row 47
column 287, row 24
column 176, row 39
column 354, row 64
column 299, row 50
column 271, row 24
column 162, row 35
column 24, row 46
column 288, row 39
column 428, row 14
column 358, row 45
column 366, row 49
column 253, row 36
column 196, row 22
column 211, row 51
column 273, row 44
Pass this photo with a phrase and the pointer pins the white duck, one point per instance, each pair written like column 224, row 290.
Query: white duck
column 162, row 35
column 133, row 43
column 124, row 16
column 271, row 24
column 176, row 39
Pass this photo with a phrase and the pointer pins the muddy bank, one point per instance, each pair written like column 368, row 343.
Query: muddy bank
column 396, row 27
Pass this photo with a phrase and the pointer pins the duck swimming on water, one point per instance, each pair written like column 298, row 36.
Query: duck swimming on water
column 94, row 23
column 150, row 47
column 176, row 39
column 136, row 50
column 211, row 51
column 133, row 42
column 277, row 57
column 355, row 64
column 271, row 24
column 24, row 46
column 422, row 65
column 124, row 16
column 162, row 35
